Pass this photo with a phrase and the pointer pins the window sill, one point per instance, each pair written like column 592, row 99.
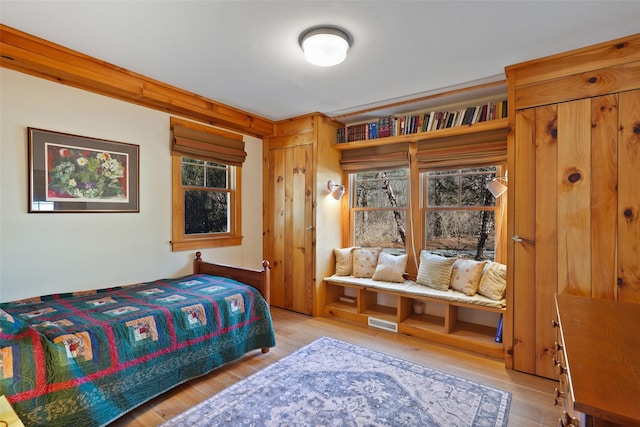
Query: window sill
column 191, row 244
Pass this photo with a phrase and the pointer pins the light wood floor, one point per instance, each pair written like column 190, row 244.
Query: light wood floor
column 531, row 404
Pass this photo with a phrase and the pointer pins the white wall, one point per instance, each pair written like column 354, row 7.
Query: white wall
column 43, row 253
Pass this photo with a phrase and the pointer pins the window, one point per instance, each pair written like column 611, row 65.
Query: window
column 460, row 213
column 206, row 187
column 379, row 209
column 206, row 197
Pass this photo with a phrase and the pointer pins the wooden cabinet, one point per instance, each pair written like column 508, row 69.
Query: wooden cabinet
column 574, row 212
column 598, row 362
column 299, row 160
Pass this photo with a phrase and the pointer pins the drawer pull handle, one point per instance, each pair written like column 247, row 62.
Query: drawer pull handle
column 559, row 394
column 555, row 323
column 561, row 370
column 559, row 346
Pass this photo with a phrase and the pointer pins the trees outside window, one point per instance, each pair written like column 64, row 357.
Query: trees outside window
column 205, row 210
column 206, row 196
column 460, row 213
column 379, row 209
column 460, row 216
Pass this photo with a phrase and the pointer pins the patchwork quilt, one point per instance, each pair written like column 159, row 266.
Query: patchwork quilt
column 86, row 359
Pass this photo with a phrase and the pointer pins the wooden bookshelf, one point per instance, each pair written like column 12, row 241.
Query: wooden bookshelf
column 489, row 130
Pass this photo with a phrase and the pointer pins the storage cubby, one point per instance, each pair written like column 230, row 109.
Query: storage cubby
column 394, row 311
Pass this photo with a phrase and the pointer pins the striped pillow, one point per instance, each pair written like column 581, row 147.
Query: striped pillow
column 493, row 283
column 434, row 271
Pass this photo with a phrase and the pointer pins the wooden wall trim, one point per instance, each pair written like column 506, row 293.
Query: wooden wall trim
column 38, row 57
column 599, row 69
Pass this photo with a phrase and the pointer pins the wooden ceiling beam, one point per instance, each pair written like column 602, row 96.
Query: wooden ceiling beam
column 38, row 57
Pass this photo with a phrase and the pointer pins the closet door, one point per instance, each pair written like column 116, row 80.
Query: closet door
column 628, row 206
column 291, row 246
column 535, row 239
column 577, row 219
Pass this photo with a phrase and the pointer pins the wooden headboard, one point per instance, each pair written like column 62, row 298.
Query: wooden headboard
column 259, row 279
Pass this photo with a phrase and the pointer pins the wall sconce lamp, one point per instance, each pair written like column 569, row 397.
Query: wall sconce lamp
column 496, row 187
column 325, row 46
column 336, row 190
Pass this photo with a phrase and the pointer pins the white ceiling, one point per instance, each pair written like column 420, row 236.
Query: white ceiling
column 246, row 53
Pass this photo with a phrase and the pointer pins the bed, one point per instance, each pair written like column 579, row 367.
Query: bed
column 87, row 358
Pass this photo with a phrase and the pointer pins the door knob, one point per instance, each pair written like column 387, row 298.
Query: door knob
column 518, row 239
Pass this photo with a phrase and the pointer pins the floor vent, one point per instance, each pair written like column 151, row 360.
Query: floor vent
column 383, row 324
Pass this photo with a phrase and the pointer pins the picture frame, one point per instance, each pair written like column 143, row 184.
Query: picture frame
column 72, row 173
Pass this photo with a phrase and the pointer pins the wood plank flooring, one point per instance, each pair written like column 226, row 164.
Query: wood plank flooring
column 532, row 397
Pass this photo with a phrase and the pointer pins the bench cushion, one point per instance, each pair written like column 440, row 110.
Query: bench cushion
column 413, row 288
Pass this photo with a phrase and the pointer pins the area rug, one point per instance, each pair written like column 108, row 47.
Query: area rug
column 334, row 383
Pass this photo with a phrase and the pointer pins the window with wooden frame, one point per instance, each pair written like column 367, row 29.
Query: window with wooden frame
column 460, row 215
column 206, row 185
column 379, row 209
column 379, row 196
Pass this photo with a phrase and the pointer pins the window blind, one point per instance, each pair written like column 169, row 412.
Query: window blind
column 461, row 153
column 194, row 140
column 375, row 158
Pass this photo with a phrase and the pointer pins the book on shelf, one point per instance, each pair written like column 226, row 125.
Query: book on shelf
column 498, row 337
column 407, row 124
column 348, row 299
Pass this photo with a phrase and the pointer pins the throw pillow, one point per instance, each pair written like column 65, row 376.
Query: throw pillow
column 434, row 270
column 493, row 282
column 344, row 265
column 390, row 268
column 365, row 261
column 466, row 275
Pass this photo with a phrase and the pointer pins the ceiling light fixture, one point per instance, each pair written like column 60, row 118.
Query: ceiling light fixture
column 325, row 46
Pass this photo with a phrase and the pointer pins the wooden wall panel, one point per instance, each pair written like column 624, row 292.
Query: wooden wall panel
column 589, row 84
column 607, row 54
column 574, row 197
column 604, row 195
column 289, row 203
column 277, row 230
column 546, row 235
column 596, row 91
column 299, row 288
column 524, row 322
column 629, row 198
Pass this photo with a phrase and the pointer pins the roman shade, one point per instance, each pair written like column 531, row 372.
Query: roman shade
column 461, row 152
column 205, row 143
column 379, row 157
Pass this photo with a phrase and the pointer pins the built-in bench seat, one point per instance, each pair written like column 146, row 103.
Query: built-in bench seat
column 453, row 301
column 392, row 306
column 413, row 289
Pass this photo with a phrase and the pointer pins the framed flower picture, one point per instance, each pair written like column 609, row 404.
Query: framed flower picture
column 71, row 173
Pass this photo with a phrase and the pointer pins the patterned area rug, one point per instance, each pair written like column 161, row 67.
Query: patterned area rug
column 334, row 383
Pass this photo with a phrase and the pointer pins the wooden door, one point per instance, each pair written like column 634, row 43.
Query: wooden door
column 628, row 207
column 577, row 219
column 291, row 230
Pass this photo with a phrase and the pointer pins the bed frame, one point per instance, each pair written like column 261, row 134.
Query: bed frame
column 259, row 279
